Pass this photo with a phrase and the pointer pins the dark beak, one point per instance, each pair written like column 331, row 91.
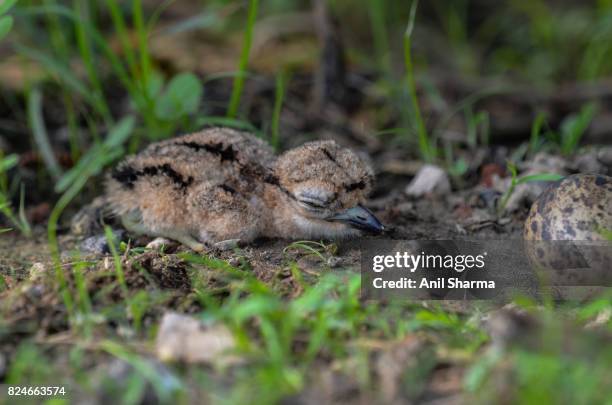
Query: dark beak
column 361, row 218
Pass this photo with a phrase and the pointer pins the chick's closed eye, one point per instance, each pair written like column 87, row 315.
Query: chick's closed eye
column 313, row 203
column 316, row 198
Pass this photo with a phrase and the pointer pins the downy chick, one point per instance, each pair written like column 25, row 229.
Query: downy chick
column 221, row 184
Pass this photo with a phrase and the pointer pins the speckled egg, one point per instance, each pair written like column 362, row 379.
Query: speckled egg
column 579, row 207
column 565, row 238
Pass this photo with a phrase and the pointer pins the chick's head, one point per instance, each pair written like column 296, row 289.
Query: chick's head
column 327, row 184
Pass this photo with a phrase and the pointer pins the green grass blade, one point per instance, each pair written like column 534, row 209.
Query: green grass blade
column 536, row 129
column 6, row 23
column 228, row 122
column 8, row 162
column 155, row 15
column 279, row 94
column 142, row 33
column 124, row 38
column 425, row 145
column 574, row 127
column 6, row 5
column 244, row 60
column 40, row 133
column 539, row 177
column 99, row 155
column 52, row 225
column 110, row 240
column 24, row 224
column 378, row 22
column 85, row 49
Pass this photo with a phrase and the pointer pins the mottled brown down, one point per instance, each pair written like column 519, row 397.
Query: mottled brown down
column 221, row 184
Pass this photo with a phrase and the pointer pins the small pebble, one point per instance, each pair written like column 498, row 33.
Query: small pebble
column 159, row 243
column 429, row 180
column 107, row 263
column 186, row 339
column 226, row 245
column 604, row 155
column 588, row 163
column 98, row 244
column 37, row 271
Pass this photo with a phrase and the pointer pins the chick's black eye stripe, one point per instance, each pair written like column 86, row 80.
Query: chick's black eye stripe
column 360, row 185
